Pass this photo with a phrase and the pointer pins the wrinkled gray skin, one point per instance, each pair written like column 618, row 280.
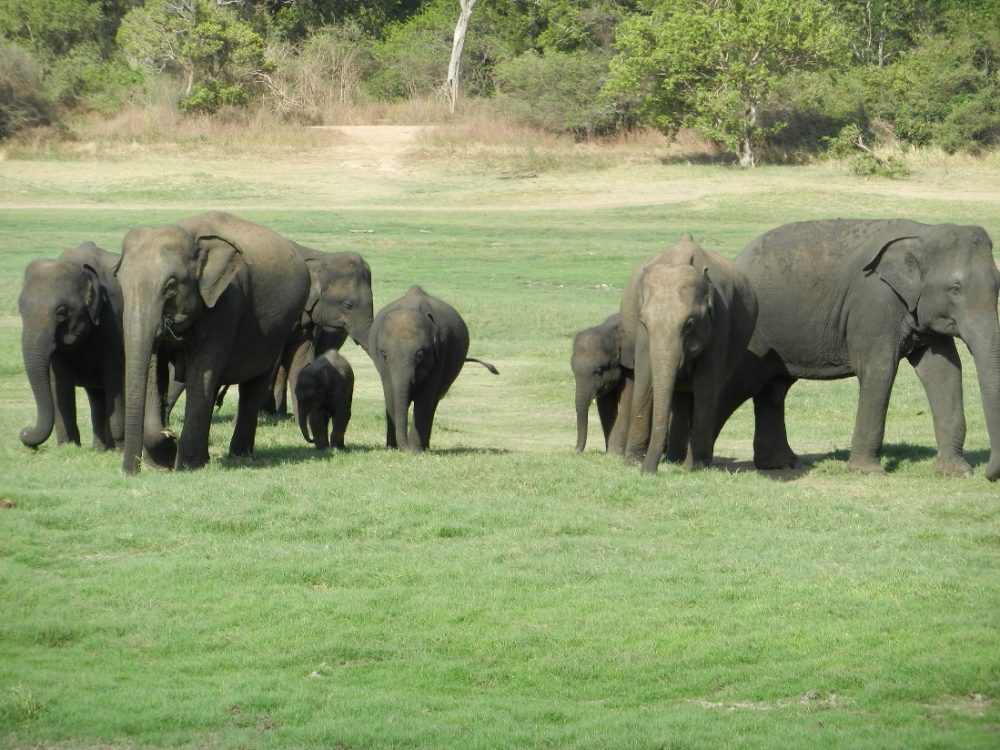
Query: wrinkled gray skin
column 419, row 345
column 854, row 297
column 71, row 335
column 216, row 296
column 324, row 392
column 339, row 305
column 687, row 315
column 596, row 364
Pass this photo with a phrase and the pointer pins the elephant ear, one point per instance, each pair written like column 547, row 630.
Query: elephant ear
column 897, row 263
column 219, row 260
column 92, row 296
column 314, row 265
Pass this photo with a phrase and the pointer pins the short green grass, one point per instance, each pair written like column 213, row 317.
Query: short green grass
column 499, row 591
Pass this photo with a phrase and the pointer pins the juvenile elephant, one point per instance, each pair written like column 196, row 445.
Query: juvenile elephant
column 597, row 368
column 324, row 392
column 687, row 315
column 216, row 296
column 419, row 344
column 71, row 317
column 853, row 297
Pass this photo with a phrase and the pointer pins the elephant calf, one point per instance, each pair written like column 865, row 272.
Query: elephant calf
column 419, row 344
column 71, row 315
column 323, row 394
column 599, row 374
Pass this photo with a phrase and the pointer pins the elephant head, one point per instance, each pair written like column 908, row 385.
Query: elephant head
column 675, row 319
column 597, row 369
column 169, row 277
column 947, row 278
column 340, row 295
column 59, row 304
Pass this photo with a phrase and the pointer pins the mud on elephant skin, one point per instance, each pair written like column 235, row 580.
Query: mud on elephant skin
column 599, row 376
column 216, row 296
column 71, row 335
column 324, row 392
column 687, row 315
column 419, row 344
column 844, row 298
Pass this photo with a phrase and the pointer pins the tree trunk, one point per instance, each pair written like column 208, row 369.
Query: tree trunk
column 458, row 43
column 746, row 154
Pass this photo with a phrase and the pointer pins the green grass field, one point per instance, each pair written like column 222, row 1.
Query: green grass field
column 501, row 590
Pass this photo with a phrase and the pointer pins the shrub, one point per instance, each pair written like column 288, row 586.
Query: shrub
column 23, row 103
column 557, row 91
column 209, row 96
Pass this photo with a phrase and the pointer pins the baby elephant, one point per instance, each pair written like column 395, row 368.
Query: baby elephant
column 597, row 367
column 323, row 393
column 419, row 345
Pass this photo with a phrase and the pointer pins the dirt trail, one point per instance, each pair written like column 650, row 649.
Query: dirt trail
column 375, row 147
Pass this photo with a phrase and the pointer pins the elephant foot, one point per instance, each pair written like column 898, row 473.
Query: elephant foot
column 993, row 468
column 769, row 461
column 952, row 466
column 866, row 466
column 161, row 454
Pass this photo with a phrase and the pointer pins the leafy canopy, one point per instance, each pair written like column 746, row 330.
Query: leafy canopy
column 711, row 65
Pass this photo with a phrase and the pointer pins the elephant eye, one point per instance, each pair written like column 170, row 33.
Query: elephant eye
column 348, row 305
column 383, row 355
column 420, row 355
column 170, row 288
column 955, row 288
column 62, row 313
column 688, row 325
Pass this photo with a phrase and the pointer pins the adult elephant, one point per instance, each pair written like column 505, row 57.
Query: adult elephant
column 853, row 297
column 599, row 376
column 216, row 296
column 71, row 335
column 419, row 344
column 687, row 315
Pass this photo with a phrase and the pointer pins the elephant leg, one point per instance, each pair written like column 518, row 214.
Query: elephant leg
column 940, row 372
column 424, row 408
column 875, row 380
column 619, row 433
column 99, row 420
column 319, row 424
column 705, row 394
column 158, row 445
column 640, row 425
column 64, row 398
column 679, row 434
column 770, row 439
column 607, row 410
column 341, row 418
column 302, row 356
column 252, row 395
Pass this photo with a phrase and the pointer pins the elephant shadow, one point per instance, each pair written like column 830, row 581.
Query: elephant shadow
column 304, row 453
column 894, row 456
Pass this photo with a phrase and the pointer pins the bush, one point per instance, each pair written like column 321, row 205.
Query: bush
column 84, row 78
column 23, row 103
column 558, row 92
column 209, row 96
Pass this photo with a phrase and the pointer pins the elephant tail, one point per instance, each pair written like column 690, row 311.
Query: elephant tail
column 487, row 365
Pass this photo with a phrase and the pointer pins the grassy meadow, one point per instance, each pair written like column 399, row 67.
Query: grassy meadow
column 500, row 590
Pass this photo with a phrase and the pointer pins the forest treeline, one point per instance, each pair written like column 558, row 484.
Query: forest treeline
column 763, row 79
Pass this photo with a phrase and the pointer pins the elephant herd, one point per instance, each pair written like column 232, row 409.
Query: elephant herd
column 215, row 300
column 697, row 335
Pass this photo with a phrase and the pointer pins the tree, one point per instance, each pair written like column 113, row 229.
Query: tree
column 222, row 59
column 451, row 84
column 711, row 64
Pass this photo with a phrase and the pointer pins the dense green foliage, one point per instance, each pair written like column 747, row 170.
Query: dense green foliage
column 768, row 78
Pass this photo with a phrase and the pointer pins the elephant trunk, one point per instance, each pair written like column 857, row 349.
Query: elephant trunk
column 985, row 351
column 583, row 401
column 140, row 333
column 37, row 352
column 665, row 363
column 401, row 408
column 302, row 413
